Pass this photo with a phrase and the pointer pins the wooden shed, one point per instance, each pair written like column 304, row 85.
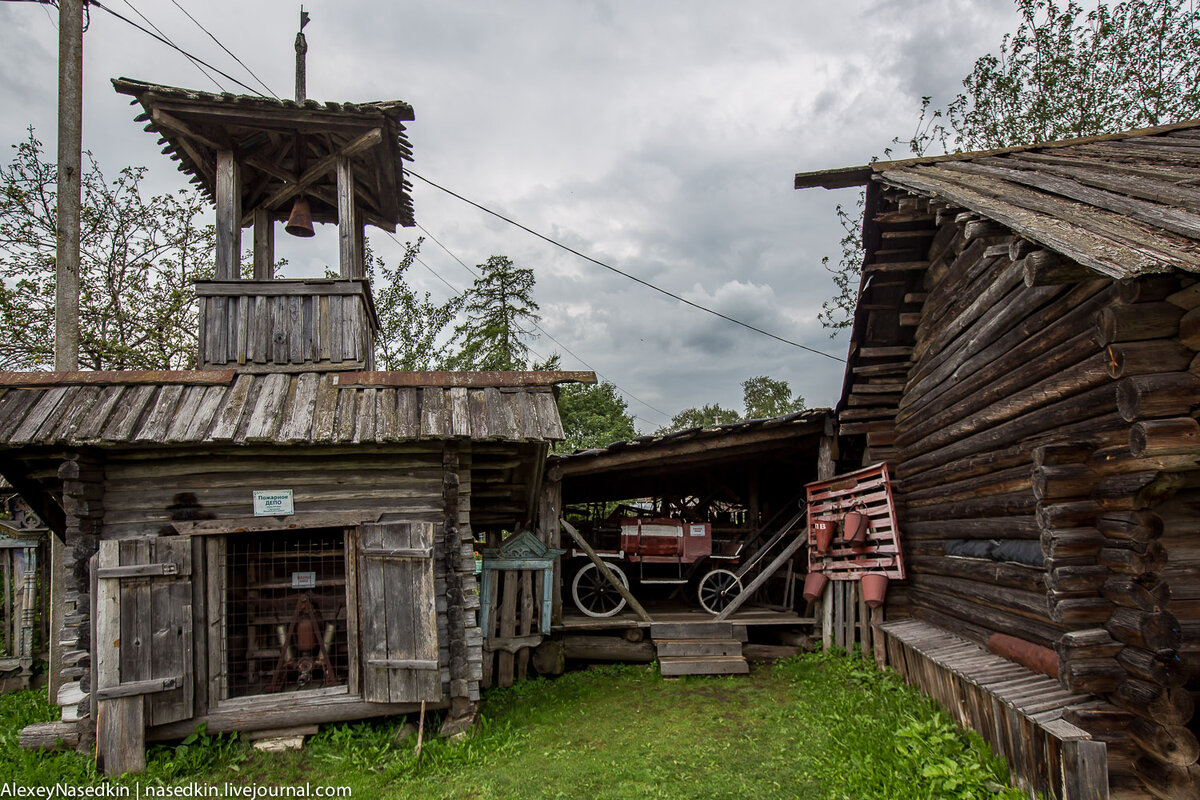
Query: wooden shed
column 1023, row 356
column 283, row 536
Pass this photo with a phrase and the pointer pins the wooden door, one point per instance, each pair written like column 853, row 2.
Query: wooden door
column 144, row 673
column 398, row 612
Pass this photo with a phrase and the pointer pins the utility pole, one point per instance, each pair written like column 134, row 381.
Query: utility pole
column 70, row 147
column 66, row 301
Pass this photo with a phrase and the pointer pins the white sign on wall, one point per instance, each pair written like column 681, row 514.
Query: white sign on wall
column 273, row 503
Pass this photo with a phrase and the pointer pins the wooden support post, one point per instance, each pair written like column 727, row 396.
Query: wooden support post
column 349, row 259
column 229, row 215
column 607, row 573
column 264, row 245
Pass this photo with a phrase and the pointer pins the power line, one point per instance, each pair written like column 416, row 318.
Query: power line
column 633, row 278
column 168, row 43
column 549, row 335
column 168, row 39
column 223, row 47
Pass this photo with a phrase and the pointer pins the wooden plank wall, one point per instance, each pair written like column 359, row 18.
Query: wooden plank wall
column 1045, row 404
column 285, row 323
column 143, row 486
column 1018, row 712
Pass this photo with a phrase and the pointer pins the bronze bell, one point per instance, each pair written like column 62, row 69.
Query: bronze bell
column 300, row 222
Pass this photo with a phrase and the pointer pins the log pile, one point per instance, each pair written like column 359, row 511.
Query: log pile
column 1043, row 403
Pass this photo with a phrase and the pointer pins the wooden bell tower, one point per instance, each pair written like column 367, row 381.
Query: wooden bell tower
column 259, row 160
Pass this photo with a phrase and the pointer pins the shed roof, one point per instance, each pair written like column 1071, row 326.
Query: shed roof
column 648, row 464
column 1123, row 204
column 224, row 407
column 267, row 134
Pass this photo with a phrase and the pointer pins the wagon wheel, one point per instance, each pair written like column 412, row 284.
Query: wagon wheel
column 717, row 590
column 594, row 595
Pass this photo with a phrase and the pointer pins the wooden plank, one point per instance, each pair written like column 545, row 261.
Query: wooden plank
column 215, row 578
column 121, row 424
column 295, row 326
column 229, row 416
column 433, row 412
column 336, row 356
column 265, row 418
column 459, row 412
column 298, row 419
column 171, row 632
column 353, row 643
column 347, row 415
column 507, row 622
column 408, row 420
column 229, row 214
column 324, row 410
column 525, row 624
column 33, row 420
column 386, row 426
column 364, row 429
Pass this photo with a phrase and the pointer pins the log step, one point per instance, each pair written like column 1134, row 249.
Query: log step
column 698, row 648
column 50, row 736
column 711, row 665
column 692, row 630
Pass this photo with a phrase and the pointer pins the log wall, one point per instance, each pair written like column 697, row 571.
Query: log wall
column 145, row 492
column 1044, row 404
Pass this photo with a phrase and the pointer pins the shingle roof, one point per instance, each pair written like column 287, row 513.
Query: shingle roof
column 221, row 407
column 263, row 131
column 1124, row 204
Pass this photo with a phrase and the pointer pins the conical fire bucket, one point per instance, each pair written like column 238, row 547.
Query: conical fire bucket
column 874, row 588
column 855, row 526
column 823, row 530
column 814, row 586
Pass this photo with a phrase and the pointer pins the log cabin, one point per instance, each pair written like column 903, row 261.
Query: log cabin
column 282, row 536
column 1024, row 357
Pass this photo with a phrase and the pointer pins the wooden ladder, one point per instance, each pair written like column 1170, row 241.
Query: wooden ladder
column 699, row 648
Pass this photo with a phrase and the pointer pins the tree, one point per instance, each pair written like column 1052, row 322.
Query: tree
column 1063, row 73
column 705, row 417
column 766, row 397
column 762, row 398
column 498, row 306
column 592, row 416
column 138, row 257
column 1066, row 74
column 411, row 327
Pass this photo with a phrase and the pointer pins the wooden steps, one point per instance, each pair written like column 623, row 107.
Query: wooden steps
column 699, row 648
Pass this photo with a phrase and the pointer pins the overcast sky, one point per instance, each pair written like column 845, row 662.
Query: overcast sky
column 659, row 136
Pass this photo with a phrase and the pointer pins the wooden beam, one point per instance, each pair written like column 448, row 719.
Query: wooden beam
column 229, row 214
column 606, row 572
column 264, row 245
column 349, row 255
column 762, row 577
column 318, row 170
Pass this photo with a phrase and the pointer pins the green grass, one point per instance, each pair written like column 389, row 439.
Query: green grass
column 815, row 726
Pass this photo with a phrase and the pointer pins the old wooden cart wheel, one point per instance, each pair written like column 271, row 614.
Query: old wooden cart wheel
column 594, row 595
column 717, row 590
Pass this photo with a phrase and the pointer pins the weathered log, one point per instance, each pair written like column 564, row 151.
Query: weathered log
column 1165, row 671
column 1172, row 744
column 1130, row 322
column 1167, row 781
column 1087, row 643
column 1087, row 578
column 1145, row 289
column 1165, row 437
column 49, row 736
column 1016, row 479
column 1063, row 482
column 1047, row 268
column 1146, row 592
column 1164, row 394
column 1189, row 329
column 985, row 617
column 1074, row 514
column 606, row 648
column 1125, row 561
column 1081, row 611
column 1122, row 490
column 1071, row 542
column 1145, row 357
column 985, row 229
column 1153, row 631
column 1015, row 527
column 988, row 505
column 1139, row 526
column 1092, row 675
column 1025, row 603
column 1173, row 706
column 549, row 657
column 1019, row 248
column 1018, row 576
column 1007, row 338
column 1053, row 455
